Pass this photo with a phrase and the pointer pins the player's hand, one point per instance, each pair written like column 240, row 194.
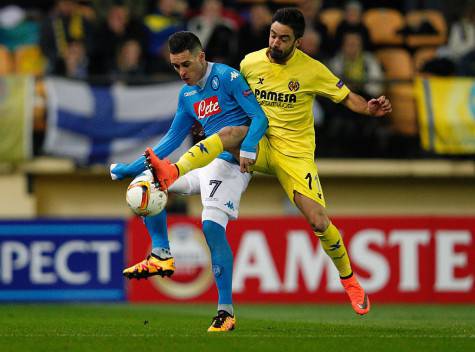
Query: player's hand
column 246, row 163
column 118, row 171
column 380, row 106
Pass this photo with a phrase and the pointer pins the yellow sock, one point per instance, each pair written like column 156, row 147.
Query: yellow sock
column 333, row 245
column 201, row 154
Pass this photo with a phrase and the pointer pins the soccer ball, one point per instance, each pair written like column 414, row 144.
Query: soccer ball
column 143, row 197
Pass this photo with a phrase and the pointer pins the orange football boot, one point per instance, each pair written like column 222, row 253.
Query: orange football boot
column 150, row 266
column 358, row 297
column 164, row 172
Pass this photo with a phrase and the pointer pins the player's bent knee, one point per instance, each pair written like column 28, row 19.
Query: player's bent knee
column 319, row 221
column 232, row 136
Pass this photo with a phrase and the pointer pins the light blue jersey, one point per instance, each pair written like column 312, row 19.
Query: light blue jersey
column 221, row 98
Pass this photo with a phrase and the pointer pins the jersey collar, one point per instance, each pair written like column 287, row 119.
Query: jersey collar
column 202, row 82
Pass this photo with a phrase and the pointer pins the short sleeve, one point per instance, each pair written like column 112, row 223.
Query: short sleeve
column 327, row 84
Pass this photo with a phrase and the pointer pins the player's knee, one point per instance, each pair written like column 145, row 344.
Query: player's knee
column 232, row 136
column 215, row 236
column 319, row 221
column 208, row 227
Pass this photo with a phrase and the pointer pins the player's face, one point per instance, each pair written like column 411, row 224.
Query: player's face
column 191, row 67
column 282, row 42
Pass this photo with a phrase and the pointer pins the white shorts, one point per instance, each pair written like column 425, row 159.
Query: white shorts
column 220, row 183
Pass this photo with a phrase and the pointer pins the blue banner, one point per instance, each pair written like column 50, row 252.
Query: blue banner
column 62, row 260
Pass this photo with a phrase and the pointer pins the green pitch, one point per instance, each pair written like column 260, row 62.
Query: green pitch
column 173, row 328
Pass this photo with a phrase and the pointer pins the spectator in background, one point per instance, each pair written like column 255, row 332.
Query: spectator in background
column 111, row 35
column 352, row 22
column 310, row 44
column 458, row 56
column 254, row 34
column 16, row 29
column 129, row 60
column 75, row 62
column 363, row 74
column 360, row 69
column 216, row 32
column 64, row 26
column 166, row 19
column 310, row 9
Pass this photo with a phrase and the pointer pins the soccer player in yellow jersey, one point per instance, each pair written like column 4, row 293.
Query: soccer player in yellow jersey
column 285, row 82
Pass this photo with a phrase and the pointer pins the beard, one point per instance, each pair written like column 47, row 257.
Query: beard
column 279, row 55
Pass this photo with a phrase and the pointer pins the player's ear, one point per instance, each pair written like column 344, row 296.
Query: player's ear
column 202, row 56
column 298, row 42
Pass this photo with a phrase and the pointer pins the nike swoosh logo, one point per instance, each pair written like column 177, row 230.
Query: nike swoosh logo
column 365, row 302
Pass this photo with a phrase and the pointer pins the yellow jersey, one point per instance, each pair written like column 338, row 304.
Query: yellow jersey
column 286, row 94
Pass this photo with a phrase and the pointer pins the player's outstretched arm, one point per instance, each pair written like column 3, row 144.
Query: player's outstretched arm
column 374, row 107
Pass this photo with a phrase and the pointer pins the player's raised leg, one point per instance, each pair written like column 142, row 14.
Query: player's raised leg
column 201, row 154
column 332, row 243
column 159, row 261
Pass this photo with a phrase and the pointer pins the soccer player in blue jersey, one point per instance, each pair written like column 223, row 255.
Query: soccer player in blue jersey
column 218, row 98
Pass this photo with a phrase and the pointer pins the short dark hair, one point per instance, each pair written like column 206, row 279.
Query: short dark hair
column 181, row 41
column 292, row 17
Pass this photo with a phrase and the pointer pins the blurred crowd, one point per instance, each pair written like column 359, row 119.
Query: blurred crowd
column 80, row 38
column 126, row 40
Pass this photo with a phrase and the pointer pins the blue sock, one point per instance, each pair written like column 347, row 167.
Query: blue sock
column 157, row 229
column 222, row 261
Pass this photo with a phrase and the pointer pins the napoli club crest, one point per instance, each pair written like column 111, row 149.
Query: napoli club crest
column 294, row 86
column 215, row 83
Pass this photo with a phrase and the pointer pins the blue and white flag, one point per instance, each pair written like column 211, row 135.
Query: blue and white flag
column 108, row 124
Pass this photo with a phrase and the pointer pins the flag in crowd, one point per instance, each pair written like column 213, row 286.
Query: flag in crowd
column 100, row 125
column 446, row 114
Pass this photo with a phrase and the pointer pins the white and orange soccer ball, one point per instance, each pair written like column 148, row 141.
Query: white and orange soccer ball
column 143, row 197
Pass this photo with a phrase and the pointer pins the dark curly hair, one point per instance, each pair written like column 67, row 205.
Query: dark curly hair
column 292, row 17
